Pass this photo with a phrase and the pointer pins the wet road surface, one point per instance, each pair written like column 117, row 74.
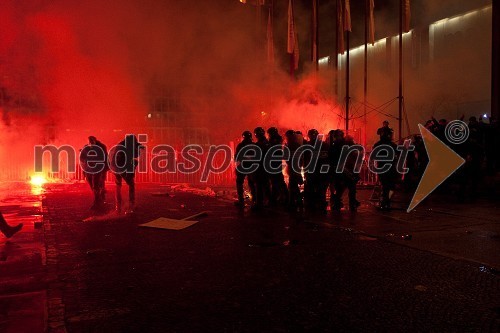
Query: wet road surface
column 247, row 272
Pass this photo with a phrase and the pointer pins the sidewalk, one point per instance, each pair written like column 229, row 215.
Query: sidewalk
column 468, row 231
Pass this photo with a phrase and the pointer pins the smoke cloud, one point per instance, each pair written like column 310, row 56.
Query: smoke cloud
column 69, row 69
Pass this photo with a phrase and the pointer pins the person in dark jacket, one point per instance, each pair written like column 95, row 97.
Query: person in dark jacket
column 124, row 159
column 95, row 173
column 349, row 178
column 387, row 179
column 240, row 174
column 293, row 142
column 261, row 178
column 336, row 142
column 279, row 191
column 315, row 165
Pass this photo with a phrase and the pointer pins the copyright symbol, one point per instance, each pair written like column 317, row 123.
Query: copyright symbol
column 456, row 132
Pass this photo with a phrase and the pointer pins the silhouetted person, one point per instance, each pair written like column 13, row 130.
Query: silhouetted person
column 293, row 142
column 491, row 143
column 316, row 183
column 472, row 151
column 260, row 176
column 384, row 129
column 240, row 174
column 95, row 174
column 279, row 190
column 387, row 179
column 6, row 229
column 348, row 179
column 336, row 141
column 124, row 160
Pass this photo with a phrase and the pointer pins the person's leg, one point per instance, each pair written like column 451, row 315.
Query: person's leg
column 353, row 202
column 130, row 179
column 275, row 189
column 284, row 195
column 339, row 188
column 89, row 179
column 103, row 185
column 251, row 185
column 293, row 190
column 386, row 188
column 240, row 179
column 6, row 229
column 323, row 187
column 96, row 189
column 118, row 193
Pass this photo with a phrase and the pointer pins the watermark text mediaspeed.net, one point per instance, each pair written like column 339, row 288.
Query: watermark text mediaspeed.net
column 216, row 159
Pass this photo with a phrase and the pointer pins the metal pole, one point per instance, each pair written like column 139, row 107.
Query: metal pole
column 335, row 57
column 495, row 60
column 365, row 85
column 314, row 33
column 400, row 114
column 347, row 85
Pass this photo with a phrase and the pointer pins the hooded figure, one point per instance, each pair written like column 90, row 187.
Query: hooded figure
column 123, row 161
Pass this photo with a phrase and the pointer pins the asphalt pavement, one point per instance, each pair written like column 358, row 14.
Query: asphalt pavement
column 435, row 269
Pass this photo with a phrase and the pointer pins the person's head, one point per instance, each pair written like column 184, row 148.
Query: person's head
column 429, row 124
column 349, row 140
column 442, row 122
column 385, row 123
column 259, row 132
column 289, row 133
column 331, row 136
column 339, row 135
column 472, row 120
column 92, row 140
column 246, row 135
column 272, row 132
column 312, row 134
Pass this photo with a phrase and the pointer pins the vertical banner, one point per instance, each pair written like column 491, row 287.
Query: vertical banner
column 371, row 23
column 270, row 38
column 347, row 18
column 315, row 33
column 296, row 55
column 291, row 29
column 340, row 27
column 406, row 15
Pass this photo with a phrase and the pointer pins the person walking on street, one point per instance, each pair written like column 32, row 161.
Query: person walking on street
column 94, row 162
column 123, row 162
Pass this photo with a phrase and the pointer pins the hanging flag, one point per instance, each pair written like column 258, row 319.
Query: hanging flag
column 340, row 28
column 291, row 29
column 270, row 39
column 315, row 32
column 371, row 23
column 296, row 52
column 406, row 15
column 347, row 18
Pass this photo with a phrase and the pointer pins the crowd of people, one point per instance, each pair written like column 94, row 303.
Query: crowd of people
column 480, row 152
column 307, row 184
column 270, row 187
column 266, row 188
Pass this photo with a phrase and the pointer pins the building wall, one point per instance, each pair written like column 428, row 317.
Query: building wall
column 447, row 73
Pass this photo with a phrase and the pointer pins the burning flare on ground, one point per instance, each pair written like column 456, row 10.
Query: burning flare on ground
column 38, row 180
